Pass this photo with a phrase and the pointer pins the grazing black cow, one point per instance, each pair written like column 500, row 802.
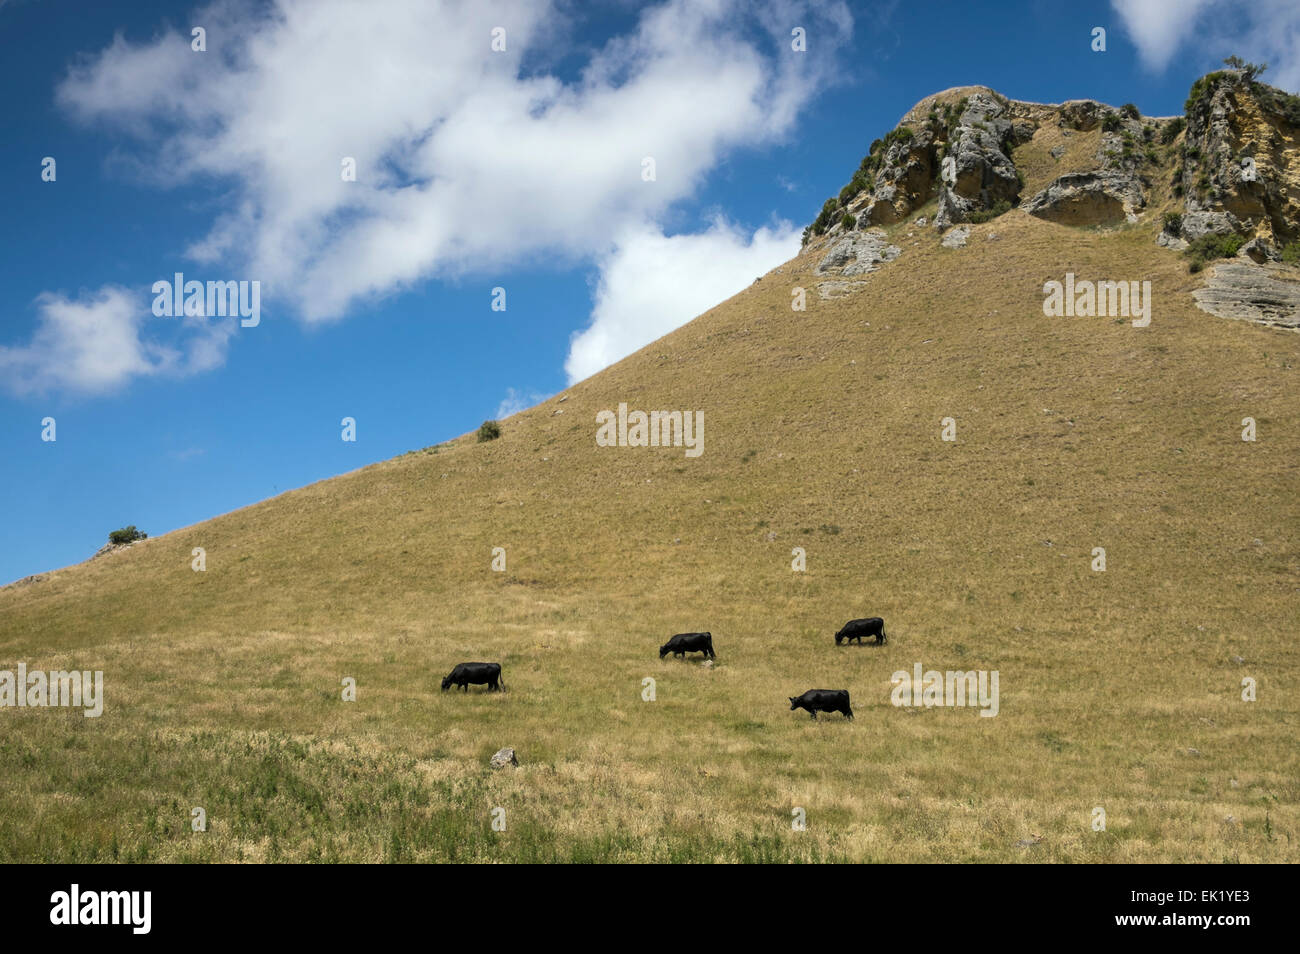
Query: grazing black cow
column 823, row 700
column 857, row 628
column 684, row 643
column 476, row 673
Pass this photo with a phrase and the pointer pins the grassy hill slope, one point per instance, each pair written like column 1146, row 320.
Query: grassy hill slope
column 1118, row 689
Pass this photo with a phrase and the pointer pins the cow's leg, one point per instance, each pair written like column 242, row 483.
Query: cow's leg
column 813, row 713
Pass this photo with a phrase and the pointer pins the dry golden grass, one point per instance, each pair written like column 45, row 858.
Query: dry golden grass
column 1118, row 689
column 1036, row 163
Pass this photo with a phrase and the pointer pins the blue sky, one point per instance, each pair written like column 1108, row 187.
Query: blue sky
column 477, row 169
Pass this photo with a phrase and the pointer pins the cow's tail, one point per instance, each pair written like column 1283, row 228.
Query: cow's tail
column 884, row 637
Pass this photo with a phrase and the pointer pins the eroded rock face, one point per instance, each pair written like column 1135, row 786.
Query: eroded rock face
column 1198, row 224
column 1241, row 164
column 903, row 181
column 1089, row 198
column 1259, row 252
column 981, row 174
column 858, row 253
column 1082, row 114
column 1264, row 294
column 1236, row 167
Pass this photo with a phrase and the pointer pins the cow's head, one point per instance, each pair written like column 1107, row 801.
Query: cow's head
column 446, row 681
column 663, row 650
column 794, row 702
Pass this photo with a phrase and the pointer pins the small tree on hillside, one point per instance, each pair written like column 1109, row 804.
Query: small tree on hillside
column 127, row 535
column 1251, row 70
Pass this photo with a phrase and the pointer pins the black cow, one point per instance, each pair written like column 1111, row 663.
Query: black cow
column 684, row 643
column 857, row 628
column 823, row 700
column 476, row 673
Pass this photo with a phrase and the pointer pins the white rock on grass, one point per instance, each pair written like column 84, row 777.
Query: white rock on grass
column 503, row 758
column 956, row 237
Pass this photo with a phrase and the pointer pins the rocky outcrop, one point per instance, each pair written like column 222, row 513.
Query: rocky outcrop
column 503, row 758
column 956, row 238
column 1266, row 295
column 1235, row 158
column 1171, row 240
column 1089, row 198
column 1240, row 169
column 29, row 580
column 979, row 173
column 1259, row 252
column 858, row 253
column 902, row 172
column 852, row 255
column 1082, row 114
column 108, row 548
column 903, row 181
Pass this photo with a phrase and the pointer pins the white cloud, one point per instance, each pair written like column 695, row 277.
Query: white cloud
column 653, row 283
column 1159, row 27
column 466, row 159
column 93, row 344
column 1260, row 31
column 516, row 401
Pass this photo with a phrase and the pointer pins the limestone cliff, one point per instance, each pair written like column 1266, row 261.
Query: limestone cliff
column 1229, row 166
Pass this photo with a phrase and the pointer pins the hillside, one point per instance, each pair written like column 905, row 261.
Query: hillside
column 1119, row 689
